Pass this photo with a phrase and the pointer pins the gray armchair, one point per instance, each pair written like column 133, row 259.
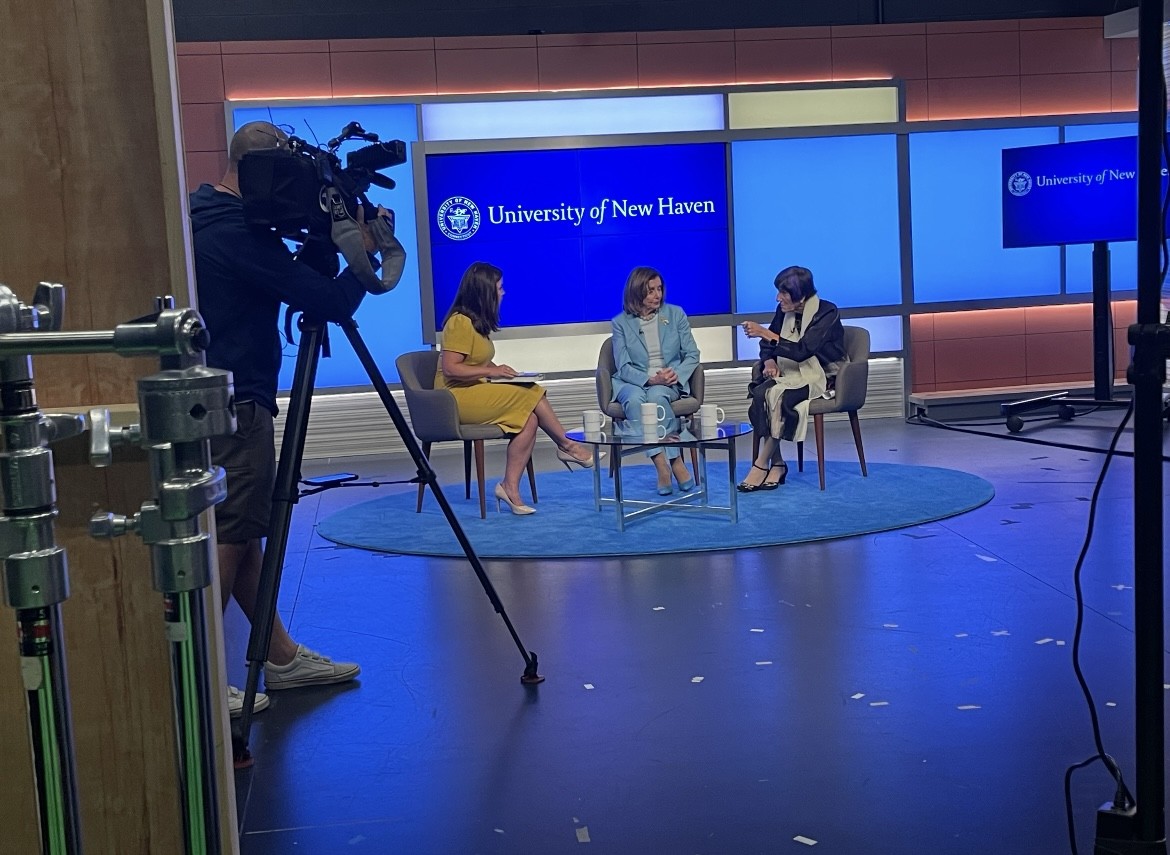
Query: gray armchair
column 606, row 366
column 852, row 381
column 435, row 418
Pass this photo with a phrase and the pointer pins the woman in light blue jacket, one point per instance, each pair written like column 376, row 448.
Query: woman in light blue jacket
column 655, row 355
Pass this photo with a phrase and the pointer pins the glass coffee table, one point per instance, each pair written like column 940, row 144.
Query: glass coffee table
column 693, row 435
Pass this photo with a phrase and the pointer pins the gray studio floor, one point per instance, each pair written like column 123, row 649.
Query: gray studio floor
column 906, row 692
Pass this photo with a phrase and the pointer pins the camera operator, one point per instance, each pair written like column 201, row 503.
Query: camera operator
column 243, row 275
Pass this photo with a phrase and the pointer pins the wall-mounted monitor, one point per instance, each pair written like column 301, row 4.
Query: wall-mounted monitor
column 566, row 226
column 1069, row 193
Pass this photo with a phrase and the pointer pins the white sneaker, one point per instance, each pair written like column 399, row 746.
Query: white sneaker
column 308, row 668
column 235, row 698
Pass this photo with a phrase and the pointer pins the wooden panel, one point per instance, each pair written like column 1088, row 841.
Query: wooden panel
column 881, row 57
column 585, row 39
column 1053, row 353
column 673, row 64
column 972, row 26
column 200, row 78
column 1047, row 94
column 685, row 36
column 383, row 72
column 878, row 30
column 1057, row 51
column 204, row 127
column 277, row 75
column 985, row 323
column 80, row 109
column 1124, row 91
column 761, row 61
column 1050, row 319
column 487, row 70
column 771, row 33
column 974, row 97
column 967, row 360
column 922, row 327
column 973, row 54
column 922, row 364
column 1123, row 54
column 588, row 66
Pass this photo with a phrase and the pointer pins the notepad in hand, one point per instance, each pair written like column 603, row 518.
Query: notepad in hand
column 522, row 377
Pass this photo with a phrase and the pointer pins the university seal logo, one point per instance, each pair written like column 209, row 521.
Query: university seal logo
column 458, row 218
column 1020, row 184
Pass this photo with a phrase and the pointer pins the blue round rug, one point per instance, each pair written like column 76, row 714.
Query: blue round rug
column 567, row 526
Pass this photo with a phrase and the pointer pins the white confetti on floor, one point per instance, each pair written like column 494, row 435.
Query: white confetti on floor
column 1045, row 641
column 986, row 558
column 764, row 662
column 588, row 685
column 969, row 707
column 583, row 834
column 858, row 696
column 807, row 841
column 660, row 608
column 756, row 630
column 960, row 635
column 696, row 679
column 879, row 703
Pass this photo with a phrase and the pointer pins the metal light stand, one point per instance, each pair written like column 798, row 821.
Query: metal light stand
column 182, row 407
column 1141, row 829
column 35, row 580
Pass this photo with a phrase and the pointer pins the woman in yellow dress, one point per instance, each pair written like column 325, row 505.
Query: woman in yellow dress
column 466, row 366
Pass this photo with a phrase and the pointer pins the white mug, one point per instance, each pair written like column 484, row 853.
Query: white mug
column 653, row 430
column 592, row 420
column 653, row 413
column 709, row 414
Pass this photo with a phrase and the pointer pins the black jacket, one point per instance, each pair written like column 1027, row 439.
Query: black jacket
column 823, row 337
column 243, row 275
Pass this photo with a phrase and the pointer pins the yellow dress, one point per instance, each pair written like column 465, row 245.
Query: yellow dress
column 479, row 402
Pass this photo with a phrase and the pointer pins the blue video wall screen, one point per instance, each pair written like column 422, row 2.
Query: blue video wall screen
column 566, row 226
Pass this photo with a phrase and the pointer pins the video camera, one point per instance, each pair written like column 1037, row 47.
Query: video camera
column 303, row 193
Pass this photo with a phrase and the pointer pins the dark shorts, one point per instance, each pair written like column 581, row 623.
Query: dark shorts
column 249, row 457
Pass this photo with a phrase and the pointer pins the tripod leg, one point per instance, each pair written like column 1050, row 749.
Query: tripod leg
column 284, row 496
column 427, row 474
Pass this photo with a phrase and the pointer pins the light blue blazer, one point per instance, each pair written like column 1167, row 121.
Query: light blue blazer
column 679, row 350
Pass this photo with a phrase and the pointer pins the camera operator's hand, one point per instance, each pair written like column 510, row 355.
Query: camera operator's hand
column 368, row 240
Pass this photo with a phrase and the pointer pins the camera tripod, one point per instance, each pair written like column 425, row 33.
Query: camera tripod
column 314, row 338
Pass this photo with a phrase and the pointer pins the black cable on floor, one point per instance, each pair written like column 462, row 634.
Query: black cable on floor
column 1122, row 798
column 926, row 421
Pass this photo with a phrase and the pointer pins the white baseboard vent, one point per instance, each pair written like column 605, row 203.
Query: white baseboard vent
column 355, row 424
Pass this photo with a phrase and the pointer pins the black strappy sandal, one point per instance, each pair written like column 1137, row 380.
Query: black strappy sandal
column 745, row 487
column 772, row 485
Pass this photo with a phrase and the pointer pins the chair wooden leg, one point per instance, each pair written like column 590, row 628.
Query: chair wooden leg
column 856, row 425
column 467, row 470
column 532, row 480
column 426, row 450
column 800, row 456
column 479, row 477
column 819, row 430
column 695, row 464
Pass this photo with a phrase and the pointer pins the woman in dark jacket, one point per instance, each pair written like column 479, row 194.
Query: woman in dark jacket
column 800, row 354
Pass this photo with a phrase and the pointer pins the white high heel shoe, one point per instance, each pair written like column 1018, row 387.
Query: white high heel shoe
column 520, row 509
column 570, row 461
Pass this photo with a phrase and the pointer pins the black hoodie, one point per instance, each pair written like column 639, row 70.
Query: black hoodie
column 243, row 275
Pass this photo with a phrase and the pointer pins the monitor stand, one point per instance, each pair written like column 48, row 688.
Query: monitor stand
column 1102, row 357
